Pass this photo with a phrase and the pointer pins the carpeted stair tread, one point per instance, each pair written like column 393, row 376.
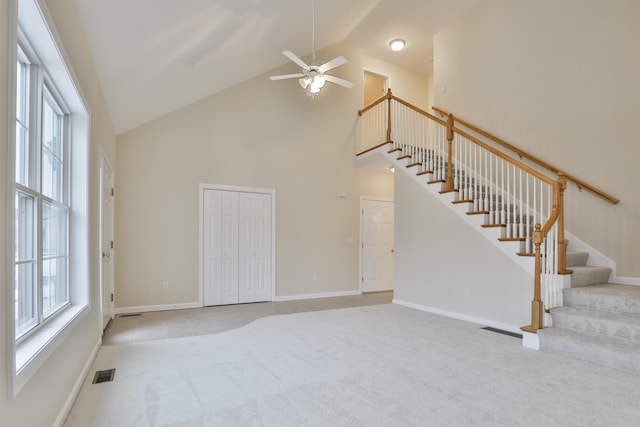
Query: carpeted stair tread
column 589, row 275
column 625, row 326
column 577, row 259
column 611, row 352
column 604, row 297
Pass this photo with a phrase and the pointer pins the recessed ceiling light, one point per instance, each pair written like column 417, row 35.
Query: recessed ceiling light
column 396, row 45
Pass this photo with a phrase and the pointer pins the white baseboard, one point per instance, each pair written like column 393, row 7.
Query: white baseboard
column 162, row 307
column 165, row 307
column 68, row 404
column 625, row 280
column 320, row 295
column 459, row 316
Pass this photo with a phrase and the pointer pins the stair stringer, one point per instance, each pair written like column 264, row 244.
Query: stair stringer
column 510, row 249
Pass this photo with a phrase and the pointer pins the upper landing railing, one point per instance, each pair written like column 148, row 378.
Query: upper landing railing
column 525, row 202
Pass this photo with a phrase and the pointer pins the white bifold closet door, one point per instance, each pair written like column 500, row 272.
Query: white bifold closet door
column 237, row 247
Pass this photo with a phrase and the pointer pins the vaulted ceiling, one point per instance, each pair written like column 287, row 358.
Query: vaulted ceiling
column 155, row 56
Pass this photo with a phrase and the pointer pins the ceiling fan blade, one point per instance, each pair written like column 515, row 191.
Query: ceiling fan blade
column 286, row 76
column 335, row 62
column 338, row 81
column 295, row 59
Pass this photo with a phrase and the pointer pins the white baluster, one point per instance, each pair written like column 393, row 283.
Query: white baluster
column 521, row 219
column 492, row 191
column 469, row 173
column 476, row 206
column 509, row 198
column 502, row 191
column 527, row 243
column 457, row 173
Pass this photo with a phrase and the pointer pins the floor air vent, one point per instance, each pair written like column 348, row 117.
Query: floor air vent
column 501, row 331
column 130, row 315
column 104, row 376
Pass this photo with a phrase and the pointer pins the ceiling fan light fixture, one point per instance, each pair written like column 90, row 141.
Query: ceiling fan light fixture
column 319, row 81
column 397, row 45
column 312, row 76
column 314, row 88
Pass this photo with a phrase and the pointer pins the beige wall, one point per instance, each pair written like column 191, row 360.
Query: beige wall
column 560, row 79
column 442, row 263
column 404, row 83
column 263, row 134
column 40, row 401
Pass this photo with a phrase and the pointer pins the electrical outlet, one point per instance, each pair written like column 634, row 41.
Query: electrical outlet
column 165, row 285
column 467, row 292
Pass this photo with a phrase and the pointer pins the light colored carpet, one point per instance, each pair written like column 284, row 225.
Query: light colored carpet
column 382, row 365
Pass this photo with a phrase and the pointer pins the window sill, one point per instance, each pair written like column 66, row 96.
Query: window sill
column 31, row 353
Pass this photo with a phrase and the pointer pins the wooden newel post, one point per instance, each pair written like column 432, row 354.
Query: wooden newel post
column 536, row 304
column 449, row 181
column 389, row 115
column 562, row 243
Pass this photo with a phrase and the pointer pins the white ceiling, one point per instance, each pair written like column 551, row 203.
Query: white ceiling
column 155, row 56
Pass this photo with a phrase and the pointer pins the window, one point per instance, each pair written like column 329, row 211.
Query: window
column 41, row 208
column 49, row 195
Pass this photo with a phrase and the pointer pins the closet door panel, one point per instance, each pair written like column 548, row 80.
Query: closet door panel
column 220, row 247
column 255, row 247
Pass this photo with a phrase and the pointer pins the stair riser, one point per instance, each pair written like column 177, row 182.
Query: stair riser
column 621, row 327
column 590, row 276
column 622, row 355
column 610, row 303
column 577, row 259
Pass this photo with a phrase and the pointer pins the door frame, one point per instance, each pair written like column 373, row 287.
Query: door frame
column 104, row 160
column 220, row 187
column 361, row 244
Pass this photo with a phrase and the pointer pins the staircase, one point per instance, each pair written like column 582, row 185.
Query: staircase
column 599, row 322
column 592, row 320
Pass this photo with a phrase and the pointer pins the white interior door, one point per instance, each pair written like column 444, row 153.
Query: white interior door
column 255, row 247
column 236, row 247
column 377, row 245
column 106, row 241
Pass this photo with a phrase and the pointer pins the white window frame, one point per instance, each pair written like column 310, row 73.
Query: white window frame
column 31, row 25
column 41, row 91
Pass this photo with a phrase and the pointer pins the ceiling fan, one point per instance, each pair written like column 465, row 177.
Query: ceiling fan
column 313, row 75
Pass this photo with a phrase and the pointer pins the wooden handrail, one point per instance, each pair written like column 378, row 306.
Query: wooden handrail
column 419, row 110
column 390, row 96
column 581, row 184
column 375, row 147
column 374, row 103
